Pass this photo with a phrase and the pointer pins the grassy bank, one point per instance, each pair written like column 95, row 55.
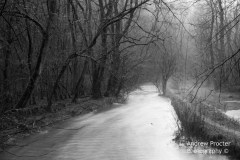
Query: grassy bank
column 201, row 122
column 21, row 123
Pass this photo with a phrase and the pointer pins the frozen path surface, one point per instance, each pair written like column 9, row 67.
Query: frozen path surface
column 141, row 129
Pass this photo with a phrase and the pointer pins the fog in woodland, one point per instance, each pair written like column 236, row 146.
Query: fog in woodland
column 71, row 58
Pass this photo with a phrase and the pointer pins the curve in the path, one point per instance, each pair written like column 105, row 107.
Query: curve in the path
column 142, row 129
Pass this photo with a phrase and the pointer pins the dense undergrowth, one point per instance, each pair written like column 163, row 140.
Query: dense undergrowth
column 196, row 122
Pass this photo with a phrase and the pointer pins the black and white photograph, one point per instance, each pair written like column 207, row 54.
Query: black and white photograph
column 119, row 80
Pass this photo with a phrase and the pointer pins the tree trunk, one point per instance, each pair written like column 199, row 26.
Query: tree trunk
column 41, row 58
column 80, row 81
column 7, row 53
column 96, row 85
column 74, row 46
column 118, row 32
column 31, row 84
column 164, row 86
column 63, row 69
column 211, row 47
column 119, row 88
column 222, row 35
column 113, row 79
column 100, row 68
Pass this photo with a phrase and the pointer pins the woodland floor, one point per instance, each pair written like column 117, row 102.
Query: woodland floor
column 19, row 125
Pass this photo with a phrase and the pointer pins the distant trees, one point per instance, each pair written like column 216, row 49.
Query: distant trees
column 166, row 63
column 165, row 51
column 217, row 40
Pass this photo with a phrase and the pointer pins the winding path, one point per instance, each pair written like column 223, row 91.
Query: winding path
column 141, row 129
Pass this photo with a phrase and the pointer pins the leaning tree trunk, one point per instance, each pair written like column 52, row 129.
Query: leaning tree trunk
column 63, row 69
column 41, row 58
column 80, row 81
column 31, row 84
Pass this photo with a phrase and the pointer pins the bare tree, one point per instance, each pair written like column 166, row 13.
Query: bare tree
column 166, row 63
